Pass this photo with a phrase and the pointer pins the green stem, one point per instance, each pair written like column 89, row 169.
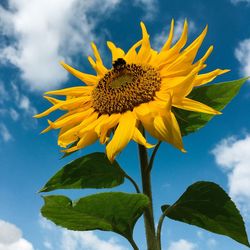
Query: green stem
column 159, row 227
column 133, row 244
column 150, row 165
column 146, row 187
column 133, row 182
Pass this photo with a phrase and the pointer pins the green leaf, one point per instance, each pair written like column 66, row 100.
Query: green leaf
column 114, row 211
column 90, row 171
column 215, row 95
column 207, row 205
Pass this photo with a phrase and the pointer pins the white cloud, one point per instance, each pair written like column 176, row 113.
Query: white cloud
column 240, row 1
column 46, row 35
column 3, row 93
column 5, row 133
column 14, row 114
column 211, row 243
column 242, row 54
column 11, row 238
column 25, row 104
column 160, row 39
column 182, row 245
column 149, row 6
column 46, row 32
column 62, row 239
column 16, row 106
column 87, row 240
column 232, row 155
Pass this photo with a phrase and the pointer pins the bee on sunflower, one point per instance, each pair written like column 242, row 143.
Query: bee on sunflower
column 141, row 88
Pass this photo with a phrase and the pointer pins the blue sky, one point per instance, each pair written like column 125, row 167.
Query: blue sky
column 36, row 35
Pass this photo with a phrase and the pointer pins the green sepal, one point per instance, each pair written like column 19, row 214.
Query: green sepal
column 207, row 205
column 89, row 171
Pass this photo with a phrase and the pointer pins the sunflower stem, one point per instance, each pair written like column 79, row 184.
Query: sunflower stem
column 159, row 227
column 133, row 182
column 151, row 162
column 146, row 188
column 133, row 244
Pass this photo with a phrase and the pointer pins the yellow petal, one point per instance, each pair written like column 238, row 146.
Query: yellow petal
column 139, row 138
column 99, row 64
column 176, row 133
column 65, row 105
column 183, row 39
column 74, row 91
column 190, row 52
column 208, row 77
column 207, row 54
column 168, row 43
column 86, row 78
column 109, row 122
column 186, row 85
column 122, row 135
column 116, row 52
column 88, row 139
column 192, row 105
column 131, row 55
column 99, row 68
column 145, row 50
column 72, row 119
column 92, row 125
column 71, row 135
column 52, row 100
column 96, row 53
column 168, row 56
column 163, row 127
column 146, row 115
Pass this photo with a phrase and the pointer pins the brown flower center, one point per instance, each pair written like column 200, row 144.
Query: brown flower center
column 124, row 87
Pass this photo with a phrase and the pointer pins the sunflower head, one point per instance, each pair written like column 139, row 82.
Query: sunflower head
column 139, row 90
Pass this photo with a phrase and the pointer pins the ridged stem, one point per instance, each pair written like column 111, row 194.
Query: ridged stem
column 146, row 188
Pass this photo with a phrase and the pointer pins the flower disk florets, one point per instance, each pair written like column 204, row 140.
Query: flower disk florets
column 124, row 87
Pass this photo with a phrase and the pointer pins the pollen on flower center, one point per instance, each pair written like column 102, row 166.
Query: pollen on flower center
column 124, row 87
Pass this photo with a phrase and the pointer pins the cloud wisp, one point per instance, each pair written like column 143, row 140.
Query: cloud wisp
column 5, row 134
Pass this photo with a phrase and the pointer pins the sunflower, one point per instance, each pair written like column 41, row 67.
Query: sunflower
column 138, row 91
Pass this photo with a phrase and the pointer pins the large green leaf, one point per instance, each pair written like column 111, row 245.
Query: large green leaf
column 207, row 205
column 215, row 95
column 90, row 171
column 114, row 211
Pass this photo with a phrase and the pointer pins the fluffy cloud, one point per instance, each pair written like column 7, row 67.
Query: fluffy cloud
column 159, row 39
column 61, row 239
column 242, row 53
column 11, row 238
column 232, row 155
column 5, row 133
column 87, row 240
column 46, row 32
column 182, row 245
